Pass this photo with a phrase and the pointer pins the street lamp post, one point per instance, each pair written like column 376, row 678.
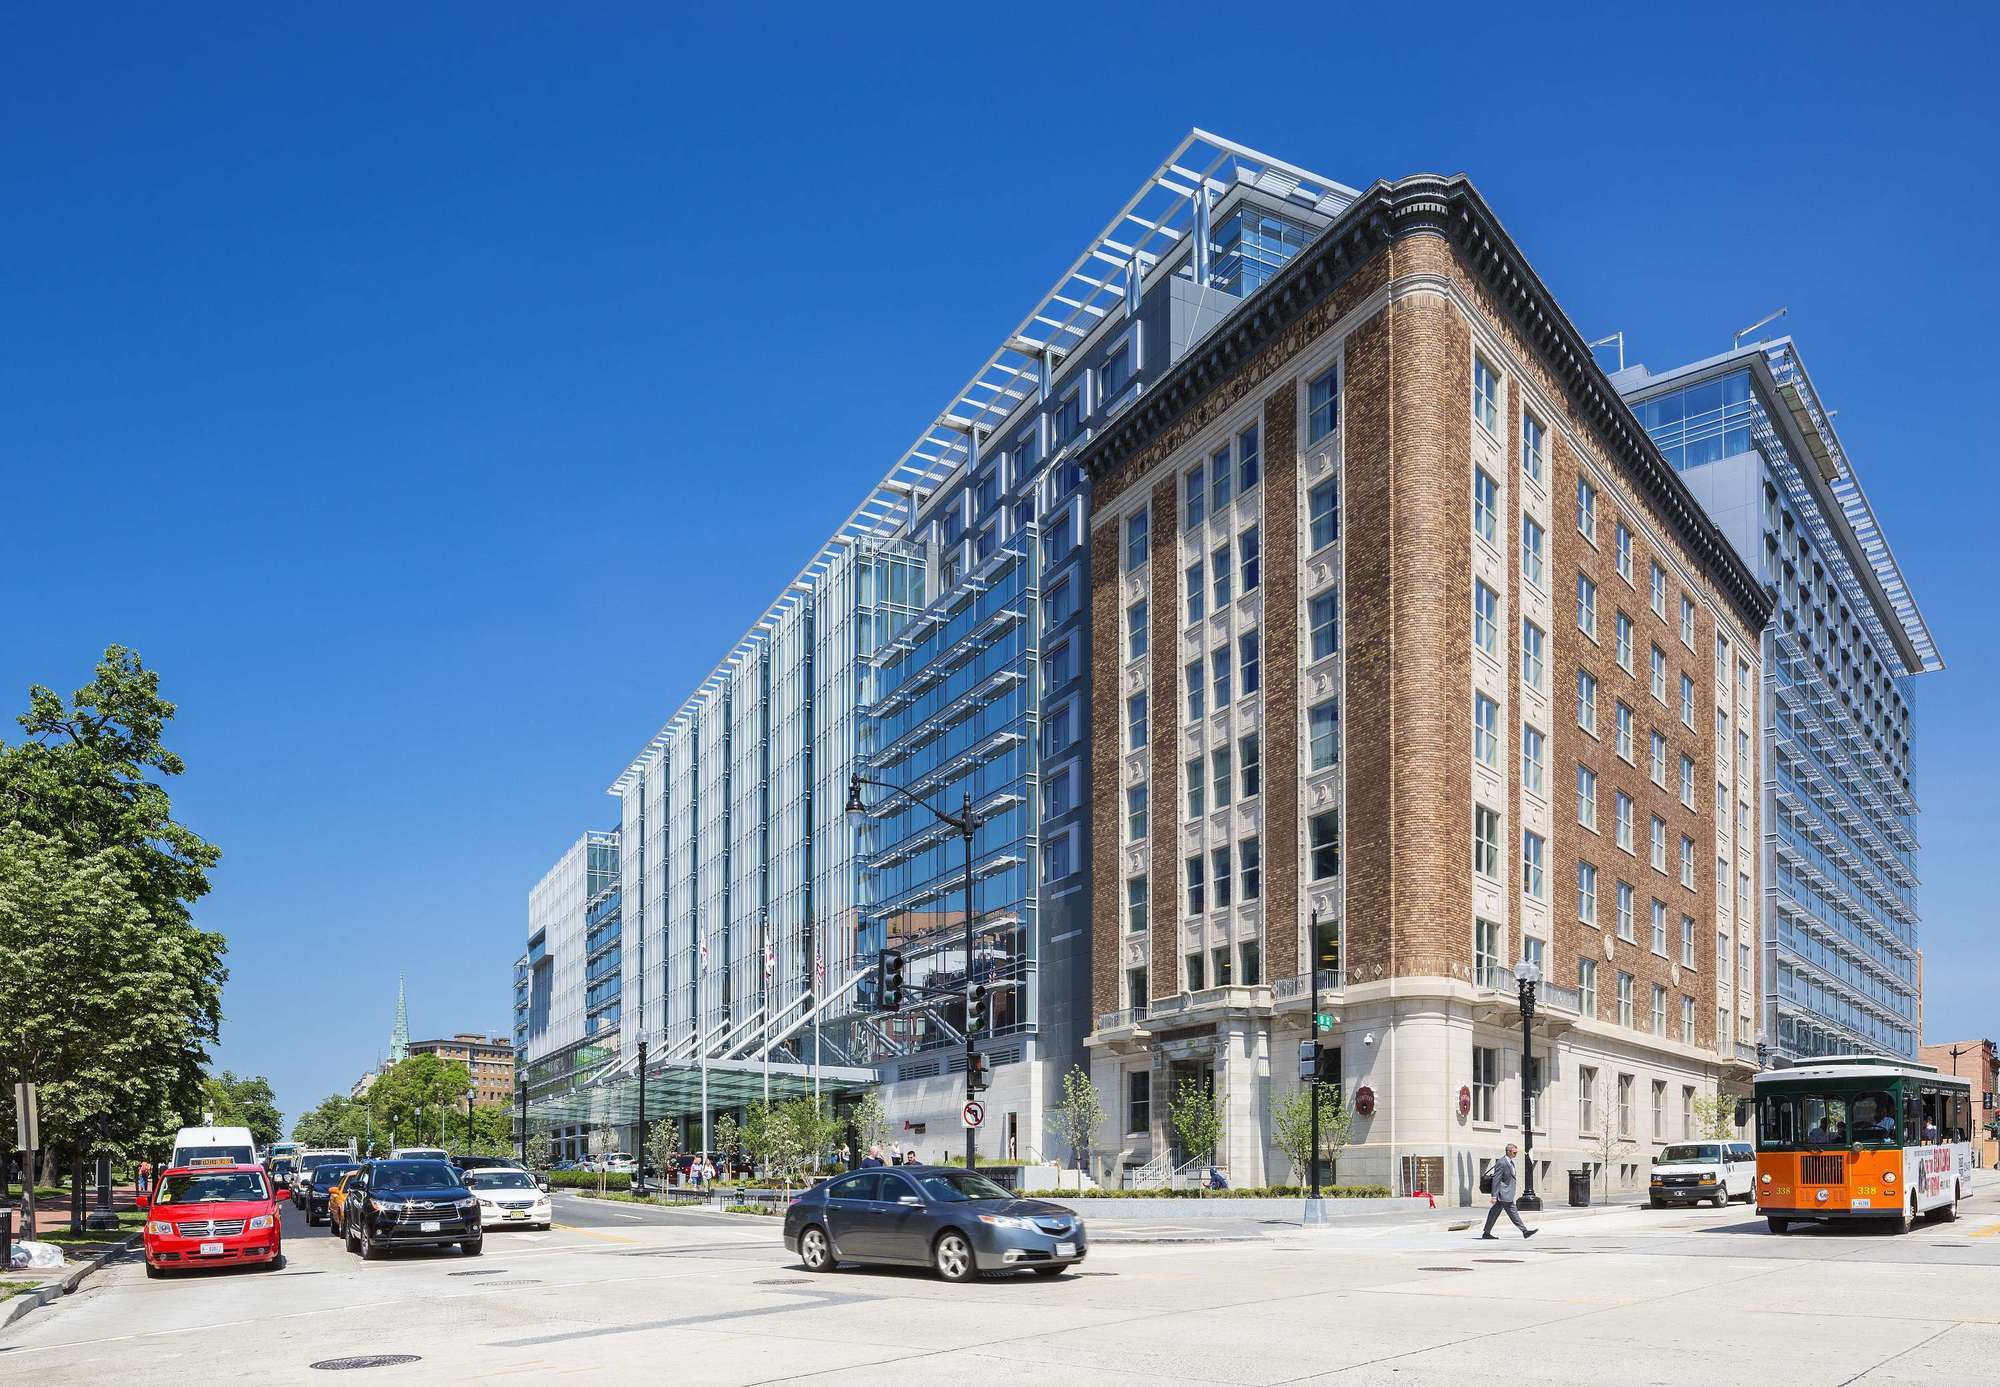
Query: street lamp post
column 1527, row 975
column 964, row 823
column 643, row 1144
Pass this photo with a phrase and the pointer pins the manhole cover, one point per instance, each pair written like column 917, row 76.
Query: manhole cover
column 366, row 1360
column 1444, row 1268
column 1500, row 1261
column 484, row 1271
column 784, row 1281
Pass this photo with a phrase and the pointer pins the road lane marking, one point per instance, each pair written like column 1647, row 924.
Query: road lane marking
column 1989, row 1231
column 595, row 1233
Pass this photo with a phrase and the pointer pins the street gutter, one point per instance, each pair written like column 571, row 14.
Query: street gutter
column 66, row 1285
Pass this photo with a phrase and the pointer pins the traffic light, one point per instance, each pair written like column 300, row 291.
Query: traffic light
column 978, row 1074
column 889, row 980
column 979, row 1010
column 1328, row 1069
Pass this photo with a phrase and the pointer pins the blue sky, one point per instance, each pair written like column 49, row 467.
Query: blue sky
column 398, row 382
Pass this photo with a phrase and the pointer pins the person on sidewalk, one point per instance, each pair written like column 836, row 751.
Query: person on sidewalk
column 1505, row 1188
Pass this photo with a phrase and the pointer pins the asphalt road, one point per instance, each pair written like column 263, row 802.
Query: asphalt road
column 1610, row 1298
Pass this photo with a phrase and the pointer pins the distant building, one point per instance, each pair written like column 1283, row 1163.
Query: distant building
column 1979, row 1061
column 489, row 1057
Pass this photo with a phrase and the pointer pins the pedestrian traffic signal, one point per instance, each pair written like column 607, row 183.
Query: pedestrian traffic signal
column 889, row 980
column 1329, row 1065
column 979, row 1010
column 978, row 1074
column 1308, row 1061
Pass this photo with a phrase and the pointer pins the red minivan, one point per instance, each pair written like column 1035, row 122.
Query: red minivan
column 212, row 1216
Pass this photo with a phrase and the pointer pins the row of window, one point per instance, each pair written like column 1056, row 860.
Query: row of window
column 1218, row 878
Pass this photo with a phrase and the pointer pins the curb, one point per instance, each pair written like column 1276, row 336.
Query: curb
column 55, row 1290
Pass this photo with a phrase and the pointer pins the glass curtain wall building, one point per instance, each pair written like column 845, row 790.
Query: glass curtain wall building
column 1838, row 918
column 567, row 985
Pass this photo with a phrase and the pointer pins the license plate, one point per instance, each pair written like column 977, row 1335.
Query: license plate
column 1065, row 1249
column 211, row 1249
column 517, row 1213
column 429, row 1227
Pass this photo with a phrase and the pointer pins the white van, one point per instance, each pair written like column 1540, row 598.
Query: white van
column 1688, row 1172
column 419, row 1153
column 197, row 1146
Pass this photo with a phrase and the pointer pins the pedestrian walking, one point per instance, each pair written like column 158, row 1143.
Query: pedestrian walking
column 145, row 1183
column 1503, row 1184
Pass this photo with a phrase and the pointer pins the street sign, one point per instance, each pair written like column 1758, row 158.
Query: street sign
column 27, row 1119
column 972, row 1114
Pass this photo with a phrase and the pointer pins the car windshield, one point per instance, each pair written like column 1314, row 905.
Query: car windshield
column 1866, row 1118
column 499, row 1180
column 1688, row 1155
column 958, row 1187
column 219, row 1187
column 213, row 1155
column 327, row 1174
column 315, row 1162
column 413, row 1175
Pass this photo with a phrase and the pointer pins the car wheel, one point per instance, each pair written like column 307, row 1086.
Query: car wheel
column 277, row 1263
column 1779, row 1225
column 1722, row 1199
column 815, row 1251
column 952, row 1256
column 1053, row 1271
column 369, row 1252
column 153, row 1273
column 1905, row 1218
column 472, row 1247
column 312, row 1219
column 347, row 1238
column 1658, row 1203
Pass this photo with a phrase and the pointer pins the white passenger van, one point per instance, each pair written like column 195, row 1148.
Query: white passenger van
column 199, row 1146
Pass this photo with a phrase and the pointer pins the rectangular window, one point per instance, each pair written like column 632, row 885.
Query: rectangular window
column 1658, row 840
column 1533, row 666
column 1687, row 781
column 1323, row 405
column 1534, row 848
column 1197, row 789
column 1248, row 754
column 1197, row 691
column 1219, row 873
column 1534, row 543
column 1486, row 842
column 1325, row 839
column 1656, row 759
column 1660, row 928
column 1659, row 1021
column 1059, row 603
column 1586, row 606
column 1586, row 985
column 1138, row 541
column 1058, row 799
column 1659, row 674
column 1485, row 1083
column 1218, row 572
column 1625, row 1104
column 1219, row 677
column 1194, row 492
column 1687, row 621
column 1624, row 642
column 1586, row 797
column 1622, row 740
column 1687, row 1094
column 1249, row 660
column 1687, row 701
column 1323, row 732
column 1138, row 812
column 1323, row 620
column 1219, row 481
column 1586, row 702
column 1687, row 941
column 1135, row 630
column 1660, row 1092
column 1624, row 541
column 1138, row 1100
column 1249, row 459
column 1251, row 955
column 1221, row 779
column 1219, row 959
column 1247, row 555
column 1485, row 506
column 1485, row 395
column 1485, row 730
column 1624, row 821
column 1534, row 446
column 1586, row 1080
column 1687, row 862
column 1586, row 510
column 1250, row 861
column 1486, row 951
column 1197, row 885
column 1136, row 904
column 1197, row 593
column 1323, row 508
column 1625, row 999
column 1135, row 721
column 1659, row 591
column 1625, row 911
column 1586, row 894
column 1197, row 972
column 1485, row 618
column 1533, row 744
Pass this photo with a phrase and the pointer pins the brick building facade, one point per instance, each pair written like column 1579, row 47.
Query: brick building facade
column 489, row 1058
column 1979, row 1061
column 1443, row 669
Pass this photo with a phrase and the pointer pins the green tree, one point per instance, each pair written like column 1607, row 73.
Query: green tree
column 1077, row 1117
column 246, row 1102
column 424, row 1098
column 335, row 1121
column 727, row 1135
column 113, row 995
column 1196, row 1114
column 663, row 1144
column 1715, row 1115
column 1292, row 1127
column 871, row 1122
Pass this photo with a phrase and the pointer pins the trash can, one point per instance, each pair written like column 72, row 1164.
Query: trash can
column 1579, row 1189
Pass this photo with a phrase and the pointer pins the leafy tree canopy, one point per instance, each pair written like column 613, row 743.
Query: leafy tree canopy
column 246, row 1102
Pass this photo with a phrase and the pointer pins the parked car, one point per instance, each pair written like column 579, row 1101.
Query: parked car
column 212, row 1216
column 420, row 1153
column 406, row 1203
column 618, row 1164
column 313, row 1188
column 486, row 1162
column 1688, row 1172
column 336, row 1200
column 509, row 1196
column 957, row 1222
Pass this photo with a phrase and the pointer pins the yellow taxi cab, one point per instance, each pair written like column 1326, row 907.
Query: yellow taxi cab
column 336, row 1204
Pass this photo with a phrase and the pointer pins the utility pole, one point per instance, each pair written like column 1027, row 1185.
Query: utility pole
column 643, row 1143
column 1527, row 975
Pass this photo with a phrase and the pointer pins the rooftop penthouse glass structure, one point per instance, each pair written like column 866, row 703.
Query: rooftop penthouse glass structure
column 1749, row 435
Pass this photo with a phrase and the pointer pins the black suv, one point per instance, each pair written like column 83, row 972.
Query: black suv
column 404, row 1203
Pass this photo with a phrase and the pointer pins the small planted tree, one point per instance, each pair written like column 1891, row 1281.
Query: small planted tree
column 662, row 1145
column 871, row 1123
column 727, row 1135
column 1604, row 1142
column 1292, row 1126
column 1196, row 1114
column 1077, row 1117
column 1715, row 1115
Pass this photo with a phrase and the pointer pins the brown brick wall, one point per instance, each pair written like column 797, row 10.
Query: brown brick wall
column 1107, row 877
column 1368, row 653
column 1282, row 923
column 1166, row 748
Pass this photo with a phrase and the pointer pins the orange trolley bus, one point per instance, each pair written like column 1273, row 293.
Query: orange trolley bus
column 1861, row 1136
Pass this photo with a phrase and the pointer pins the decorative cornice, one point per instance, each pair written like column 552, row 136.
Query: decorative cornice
column 1385, row 212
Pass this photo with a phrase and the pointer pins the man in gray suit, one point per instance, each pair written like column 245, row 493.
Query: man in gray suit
column 1505, row 1187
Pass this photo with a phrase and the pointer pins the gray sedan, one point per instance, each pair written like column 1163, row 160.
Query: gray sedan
column 957, row 1222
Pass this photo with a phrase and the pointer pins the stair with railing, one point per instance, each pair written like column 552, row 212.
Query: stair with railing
column 1154, row 1174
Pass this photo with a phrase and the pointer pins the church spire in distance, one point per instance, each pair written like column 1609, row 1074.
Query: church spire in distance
column 399, row 1039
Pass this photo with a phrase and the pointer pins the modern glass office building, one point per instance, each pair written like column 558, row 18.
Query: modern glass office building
column 1839, row 921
